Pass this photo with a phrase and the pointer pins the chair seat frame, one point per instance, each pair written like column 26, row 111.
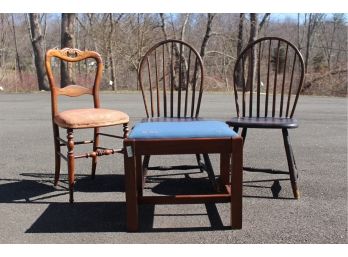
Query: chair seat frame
column 231, row 173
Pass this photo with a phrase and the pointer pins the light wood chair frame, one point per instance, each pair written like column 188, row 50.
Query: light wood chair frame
column 76, row 55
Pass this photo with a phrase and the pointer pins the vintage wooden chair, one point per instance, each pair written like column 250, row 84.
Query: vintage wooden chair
column 171, row 79
column 70, row 120
column 267, row 92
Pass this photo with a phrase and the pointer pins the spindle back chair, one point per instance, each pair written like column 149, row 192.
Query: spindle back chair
column 80, row 118
column 268, row 77
column 171, row 79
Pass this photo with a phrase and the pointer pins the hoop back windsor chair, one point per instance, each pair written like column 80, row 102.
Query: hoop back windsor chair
column 268, row 77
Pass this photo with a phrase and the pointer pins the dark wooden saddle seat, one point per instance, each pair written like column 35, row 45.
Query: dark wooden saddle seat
column 263, row 122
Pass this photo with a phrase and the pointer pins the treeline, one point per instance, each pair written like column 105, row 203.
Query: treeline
column 122, row 40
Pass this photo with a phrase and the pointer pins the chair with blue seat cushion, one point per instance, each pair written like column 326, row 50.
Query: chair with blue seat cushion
column 171, row 80
column 181, row 129
column 268, row 77
column 190, row 137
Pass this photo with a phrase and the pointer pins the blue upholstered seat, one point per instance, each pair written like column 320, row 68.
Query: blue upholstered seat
column 181, row 129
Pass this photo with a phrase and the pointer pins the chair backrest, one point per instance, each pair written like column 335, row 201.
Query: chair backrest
column 73, row 55
column 171, row 80
column 268, row 76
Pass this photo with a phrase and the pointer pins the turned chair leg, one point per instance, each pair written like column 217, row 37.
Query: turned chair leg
column 125, row 130
column 57, row 154
column 291, row 164
column 95, row 147
column 71, row 164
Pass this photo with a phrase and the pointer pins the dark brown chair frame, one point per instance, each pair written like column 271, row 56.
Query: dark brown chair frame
column 284, row 120
column 164, row 77
column 230, row 149
column 172, row 50
column 76, row 55
column 231, row 175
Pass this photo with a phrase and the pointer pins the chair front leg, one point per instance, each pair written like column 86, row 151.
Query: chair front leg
column 71, row 164
column 95, row 147
column 125, row 130
column 131, row 187
column 291, row 164
column 237, row 183
column 57, row 153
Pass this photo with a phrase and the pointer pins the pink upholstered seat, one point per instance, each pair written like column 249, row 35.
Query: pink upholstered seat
column 90, row 118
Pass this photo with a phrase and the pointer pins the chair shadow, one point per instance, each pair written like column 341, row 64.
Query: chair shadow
column 84, row 183
column 81, row 217
column 40, row 186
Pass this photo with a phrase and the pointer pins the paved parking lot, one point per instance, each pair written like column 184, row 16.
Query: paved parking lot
column 33, row 211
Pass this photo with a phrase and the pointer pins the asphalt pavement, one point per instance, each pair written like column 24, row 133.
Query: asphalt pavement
column 32, row 210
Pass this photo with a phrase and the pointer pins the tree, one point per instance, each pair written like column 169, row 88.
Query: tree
column 207, row 34
column 37, row 41
column 252, row 62
column 313, row 21
column 240, row 47
column 67, row 40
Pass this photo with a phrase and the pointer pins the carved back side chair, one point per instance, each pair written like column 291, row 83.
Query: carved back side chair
column 267, row 92
column 171, row 77
column 73, row 119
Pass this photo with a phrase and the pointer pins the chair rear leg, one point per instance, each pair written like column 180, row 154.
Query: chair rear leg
column 210, row 170
column 293, row 157
column 291, row 165
column 71, row 164
column 199, row 162
column 95, row 147
column 244, row 134
column 146, row 162
column 57, row 154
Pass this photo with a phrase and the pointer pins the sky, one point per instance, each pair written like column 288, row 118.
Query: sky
column 174, row 6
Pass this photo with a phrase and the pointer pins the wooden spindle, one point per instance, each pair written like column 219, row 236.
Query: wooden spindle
column 187, row 82
column 157, row 89
column 251, row 79
column 151, row 97
column 283, row 83
column 275, row 82
column 172, row 82
column 268, row 72
column 164, row 82
column 258, row 82
column 180, row 84
column 290, row 87
column 194, row 88
column 244, row 85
